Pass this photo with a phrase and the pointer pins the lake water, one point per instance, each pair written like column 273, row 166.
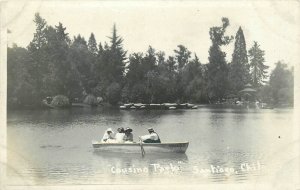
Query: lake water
column 53, row 147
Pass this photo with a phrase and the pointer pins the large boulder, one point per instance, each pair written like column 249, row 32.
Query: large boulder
column 60, row 101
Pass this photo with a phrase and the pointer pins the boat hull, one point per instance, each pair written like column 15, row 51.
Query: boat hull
column 180, row 147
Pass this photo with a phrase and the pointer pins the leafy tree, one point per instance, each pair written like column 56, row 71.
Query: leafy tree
column 166, row 81
column 20, row 85
column 135, row 89
column 239, row 71
column 39, row 38
column 114, row 93
column 193, row 80
column 57, row 49
column 160, row 57
column 265, row 94
column 282, row 83
column 217, row 67
column 182, row 56
column 257, row 67
column 80, row 61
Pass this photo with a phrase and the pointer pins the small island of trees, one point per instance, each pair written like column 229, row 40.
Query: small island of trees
column 82, row 70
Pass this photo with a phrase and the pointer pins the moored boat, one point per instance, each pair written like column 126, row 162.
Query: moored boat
column 168, row 147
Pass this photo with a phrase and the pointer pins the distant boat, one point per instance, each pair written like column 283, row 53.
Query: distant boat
column 122, row 107
column 164, row 106
column 168, row 147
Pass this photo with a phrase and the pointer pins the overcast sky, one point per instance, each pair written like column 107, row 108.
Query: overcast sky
column 165, row 24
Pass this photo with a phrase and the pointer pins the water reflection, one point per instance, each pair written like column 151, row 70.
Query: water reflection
column 133, row 156
column 56, row 145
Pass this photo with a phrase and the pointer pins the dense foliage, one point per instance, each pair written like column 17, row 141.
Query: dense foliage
column 54, row 64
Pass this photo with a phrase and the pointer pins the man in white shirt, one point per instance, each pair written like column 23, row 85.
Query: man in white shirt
column 151, row 138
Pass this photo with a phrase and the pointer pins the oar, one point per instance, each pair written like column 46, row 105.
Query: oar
column 142, row 148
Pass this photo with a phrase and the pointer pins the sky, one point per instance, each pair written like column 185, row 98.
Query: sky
column 165, row 24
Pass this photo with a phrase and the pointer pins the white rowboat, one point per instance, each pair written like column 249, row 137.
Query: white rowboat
column 177, row 147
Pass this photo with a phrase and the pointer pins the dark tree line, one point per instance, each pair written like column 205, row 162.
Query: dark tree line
column 53, row 64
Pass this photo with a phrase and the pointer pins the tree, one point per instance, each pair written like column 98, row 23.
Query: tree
column 135, row 89
column 257, row 67
column 114, row 93
column 239, row 71
column 20, row 84
column 39, row 38
column 182, row 56
column 118, row 56
column 110, row 64
column 58, row 64
column 282, row 83
column 166, row 81
column 92, row 45
column 38, row 54
column 193, row 81
column 81, row 63
column 93, row 55
column 217, row 67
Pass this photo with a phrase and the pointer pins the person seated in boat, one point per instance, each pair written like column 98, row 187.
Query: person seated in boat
column 128, row 135
column 151, row 138
column 108, row 136
column 120, row 135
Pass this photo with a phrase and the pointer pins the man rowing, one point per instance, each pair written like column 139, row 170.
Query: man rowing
column 151, row 138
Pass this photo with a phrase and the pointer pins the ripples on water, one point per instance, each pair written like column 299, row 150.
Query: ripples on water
column 54, row 146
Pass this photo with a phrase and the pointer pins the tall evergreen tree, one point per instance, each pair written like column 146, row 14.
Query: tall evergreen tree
column 257, row 67
column 93, row 50
column 92, row 45
column 111, row 66
column 118, row 56
column 38, row 54
column 217, row 67
column 239, row 68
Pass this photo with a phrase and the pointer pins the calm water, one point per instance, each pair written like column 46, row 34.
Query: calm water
column 226, row 146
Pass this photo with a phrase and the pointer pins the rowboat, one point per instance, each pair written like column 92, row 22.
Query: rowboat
column 170, row 147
